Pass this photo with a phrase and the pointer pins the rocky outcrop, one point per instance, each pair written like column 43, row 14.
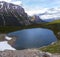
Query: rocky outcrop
column 58, row 34
column 27, row 53
column 12, row 15
column 36, row 19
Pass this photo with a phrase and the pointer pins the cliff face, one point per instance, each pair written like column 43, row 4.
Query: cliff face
column 12, row 15
column 36, row 19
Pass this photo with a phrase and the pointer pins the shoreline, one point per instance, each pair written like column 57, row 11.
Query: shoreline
column 26, row 50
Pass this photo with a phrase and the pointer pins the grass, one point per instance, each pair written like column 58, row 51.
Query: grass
column 54, row 22
column 55, row 48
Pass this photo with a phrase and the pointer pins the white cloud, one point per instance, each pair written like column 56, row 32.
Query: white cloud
column 36, row 11
column 14, row 2
column 6, row 0
column 48, row 13
column 48, row 16
column 55, row 16
column 51, row 13
column 17, row 2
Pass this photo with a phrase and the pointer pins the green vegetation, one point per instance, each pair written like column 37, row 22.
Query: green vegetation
column 54, row 22
column 55, row 48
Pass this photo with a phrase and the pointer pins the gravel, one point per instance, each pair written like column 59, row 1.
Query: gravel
column 27, row 53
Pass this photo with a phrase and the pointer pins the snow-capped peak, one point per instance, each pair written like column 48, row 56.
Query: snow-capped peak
column 7, row 5
column 1, row 4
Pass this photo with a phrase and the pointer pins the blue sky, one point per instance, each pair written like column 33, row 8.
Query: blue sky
column 40, row 3
column 37, row 3
column 34, row 5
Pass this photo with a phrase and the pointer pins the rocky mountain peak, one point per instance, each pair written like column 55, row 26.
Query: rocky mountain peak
column 10, row 6
column 12, row 15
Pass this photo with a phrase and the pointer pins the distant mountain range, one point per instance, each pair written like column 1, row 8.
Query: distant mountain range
column 12, row 15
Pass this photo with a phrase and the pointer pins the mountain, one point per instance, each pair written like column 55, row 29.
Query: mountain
column 12, row 15
column 49, row 20
column 36, row 19
column 50, row 14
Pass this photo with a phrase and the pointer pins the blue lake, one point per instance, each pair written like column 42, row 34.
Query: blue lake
column 33, row 38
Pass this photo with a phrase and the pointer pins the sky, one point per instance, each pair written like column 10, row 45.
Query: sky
column 35, row 5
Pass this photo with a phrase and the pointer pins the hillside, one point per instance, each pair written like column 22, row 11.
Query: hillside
column 54, row 22
column 55, row 27
column 53, row 48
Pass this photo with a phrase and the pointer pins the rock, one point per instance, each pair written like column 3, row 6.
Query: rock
column 26, row 53
column 47, row 54
column 2, row 37
column 12, row 15
column 52, row 43
column 58, row 34
column 12, row 41
column 35, row 19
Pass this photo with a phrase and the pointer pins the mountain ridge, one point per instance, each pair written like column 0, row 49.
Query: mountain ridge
column 12, row 15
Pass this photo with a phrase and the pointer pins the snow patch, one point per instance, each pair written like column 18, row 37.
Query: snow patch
column 5, row 46
column 8, row 38
column 1, row 5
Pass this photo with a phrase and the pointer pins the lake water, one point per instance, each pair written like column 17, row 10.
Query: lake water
column 33, row 38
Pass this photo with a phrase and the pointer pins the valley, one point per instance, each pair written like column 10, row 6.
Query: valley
column 34, row 33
